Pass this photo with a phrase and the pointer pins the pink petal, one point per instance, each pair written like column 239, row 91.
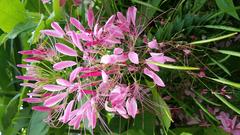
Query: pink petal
column 64, row 64
column 52, row 87
column 157, row 80
column 131, row 15
column 29, row 78
column 68, row 109
column 117, row 51
column 92, row 118
column 106, row 59
column 77, row 24
column 109, row 22
column 45, row 1
column 24, row 65
column 121, row 17
column 104, row 76
column 74, row 74
column 31, row 85
column 52, row 33
column 54, row 99
column 63, row 82
column 131, row 106
column 133, row 57
column 41, row 108
column 90, row 17
column 91, row 74
column 65, row 49
column 57, row 28
column 32, row 100
column 76, row 41
column 153, row 44
column 32, row 52
column 32, row 59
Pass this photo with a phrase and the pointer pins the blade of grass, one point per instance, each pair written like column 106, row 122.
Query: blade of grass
column 221, row 66
column 224, row 81
column 235, row 109
column 169, row 66
column 213, row 39
column 205, row 99
column 205, row 110
column 222, row 27
column 232, row 53
column 147, row 5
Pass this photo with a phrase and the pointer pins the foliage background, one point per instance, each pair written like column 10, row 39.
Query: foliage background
column 177, row 23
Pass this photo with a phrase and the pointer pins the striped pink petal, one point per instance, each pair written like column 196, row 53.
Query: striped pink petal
column 77, row 24
column 32, row 100
column 76, row 41
column 52, row 33
column 153, row 44
column 104, row 76
column 133, row 57
column 41, row 108
column 57, row 28
column 68, row 109
column 118, row 51
column 64, row 64
column 74, row 74
column 65, row 49
column 54, row 99
column 63, row 82
column 109, row 21
column 131, row 15
column 29, row 78
column 90, row 18
column 52, row 87
column 131, row 106
column 157, row 80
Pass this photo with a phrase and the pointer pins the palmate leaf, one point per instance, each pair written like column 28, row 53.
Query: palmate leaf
column 12, row 13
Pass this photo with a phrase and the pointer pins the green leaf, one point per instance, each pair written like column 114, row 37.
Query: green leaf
column 12, row 13
column 37, row 126
column 235, row 109
column 228, row 7
column 213, row 39
column 162, row 109
column 222, row 27
column 196, row 130
column 146, row 122
column 169, row 66
column 224, row 81
column 21, row 27
column 228, row 52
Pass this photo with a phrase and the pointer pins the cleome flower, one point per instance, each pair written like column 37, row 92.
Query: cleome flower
column 87, row 70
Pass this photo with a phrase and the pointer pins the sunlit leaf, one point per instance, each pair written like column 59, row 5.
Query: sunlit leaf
column 169, row 66
column 225, row 81
column 213, row 39
column 228, row 52
column 222, row 27
column 12, row 13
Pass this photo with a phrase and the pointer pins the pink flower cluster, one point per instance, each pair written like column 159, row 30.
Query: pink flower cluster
column 78, row 72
